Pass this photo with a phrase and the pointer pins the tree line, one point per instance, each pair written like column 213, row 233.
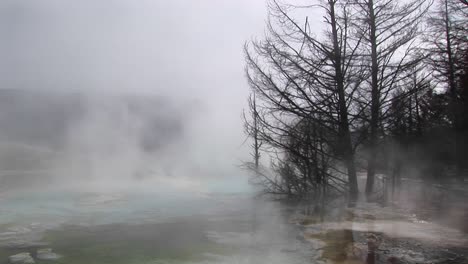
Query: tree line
column 376, row 87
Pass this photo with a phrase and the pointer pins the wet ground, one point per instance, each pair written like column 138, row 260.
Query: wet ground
column 372, row 234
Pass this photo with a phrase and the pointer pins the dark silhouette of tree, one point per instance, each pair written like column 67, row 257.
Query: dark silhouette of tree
column 447, row 51
column 252, row 130
column 389, row 29
column 377, row 90
column 298, row 76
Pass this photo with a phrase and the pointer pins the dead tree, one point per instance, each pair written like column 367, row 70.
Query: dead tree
column 389, row 29
column 298, row 76
column 252, row 130
column 447, row 51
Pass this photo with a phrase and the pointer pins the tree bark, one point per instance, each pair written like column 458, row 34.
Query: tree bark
column 375, row 103
column 346, row 143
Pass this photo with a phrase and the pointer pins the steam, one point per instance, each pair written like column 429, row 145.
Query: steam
column 176, row 51
column 121, row 142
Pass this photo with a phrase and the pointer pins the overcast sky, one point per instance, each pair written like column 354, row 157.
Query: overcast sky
column 181, row 48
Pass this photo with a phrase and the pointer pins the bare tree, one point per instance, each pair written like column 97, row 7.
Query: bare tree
column 389, row 29
column 448, row 49
column 298, row 76
column 252, row 130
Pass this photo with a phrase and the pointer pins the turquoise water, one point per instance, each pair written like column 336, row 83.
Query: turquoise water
column 149, row 227
column 102, row 208
column 167, row 227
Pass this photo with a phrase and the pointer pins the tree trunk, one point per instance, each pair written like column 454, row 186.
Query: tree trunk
column 346, row 143
column 375, row 104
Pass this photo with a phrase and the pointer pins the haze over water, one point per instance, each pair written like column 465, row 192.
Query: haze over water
column 122, row 140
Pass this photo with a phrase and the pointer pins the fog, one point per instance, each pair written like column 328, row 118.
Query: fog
column 128, row 113
column 210, row 131
column 187, row 55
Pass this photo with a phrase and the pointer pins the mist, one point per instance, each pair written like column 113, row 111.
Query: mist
column 179, row 53
column 245, row 131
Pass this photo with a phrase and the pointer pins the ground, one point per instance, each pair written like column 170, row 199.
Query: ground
column 394, row 235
